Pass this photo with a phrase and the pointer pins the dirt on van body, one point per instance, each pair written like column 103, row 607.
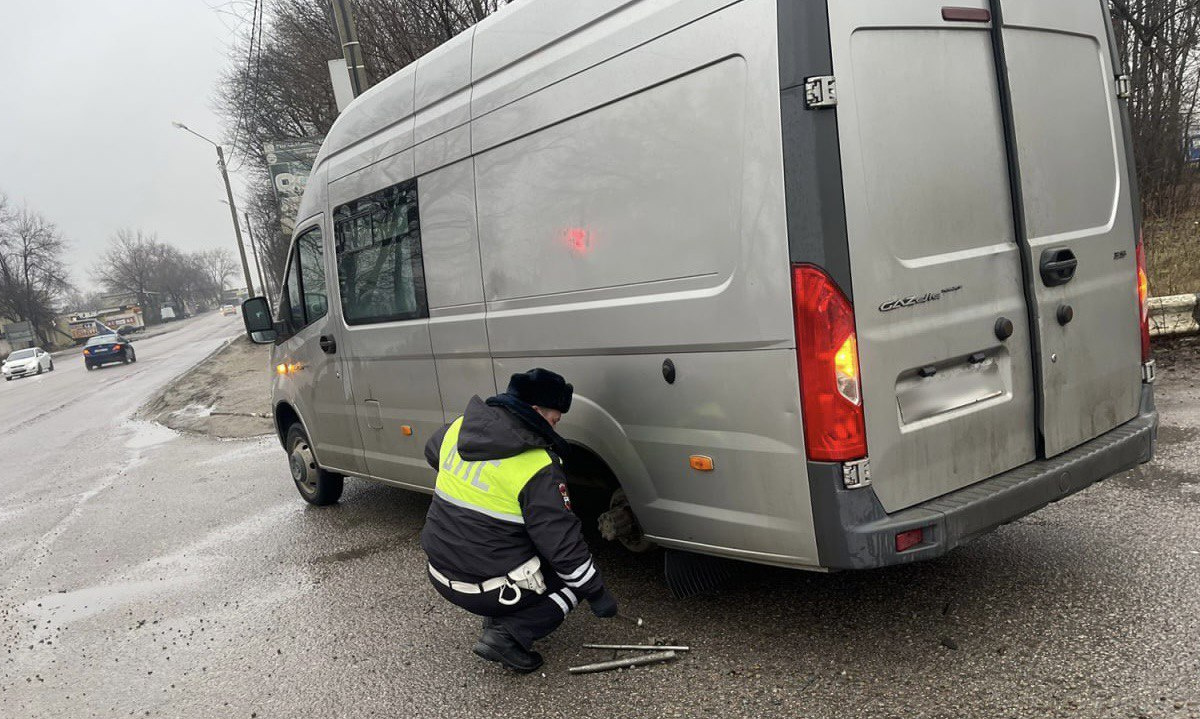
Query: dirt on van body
column 227, row 395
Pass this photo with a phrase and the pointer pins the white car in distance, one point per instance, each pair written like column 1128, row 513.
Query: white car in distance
column 22, row 363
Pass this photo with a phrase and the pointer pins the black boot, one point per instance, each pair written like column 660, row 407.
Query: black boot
column 496, row 644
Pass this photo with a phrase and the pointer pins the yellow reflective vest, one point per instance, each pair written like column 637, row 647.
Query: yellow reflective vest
column 490, row 487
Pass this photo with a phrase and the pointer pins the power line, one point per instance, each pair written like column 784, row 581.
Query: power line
column 253, row 64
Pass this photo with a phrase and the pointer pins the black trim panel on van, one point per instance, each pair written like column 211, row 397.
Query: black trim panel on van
column 816, row 209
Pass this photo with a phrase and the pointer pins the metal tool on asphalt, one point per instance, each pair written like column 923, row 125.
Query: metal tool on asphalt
column 638, row 647
column 635, row 621
column 621, row 663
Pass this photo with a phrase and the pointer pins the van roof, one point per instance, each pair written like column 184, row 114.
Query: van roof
column 506, row 37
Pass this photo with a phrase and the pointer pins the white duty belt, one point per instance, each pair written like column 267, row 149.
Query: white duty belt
column 527, row 575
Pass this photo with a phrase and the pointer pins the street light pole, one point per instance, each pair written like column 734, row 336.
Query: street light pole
column 237, row 228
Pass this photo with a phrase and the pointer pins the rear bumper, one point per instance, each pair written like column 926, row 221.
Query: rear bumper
column 118, row 356
column 853, row 531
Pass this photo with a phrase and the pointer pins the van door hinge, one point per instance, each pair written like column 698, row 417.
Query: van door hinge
column 1123, row 87
column 820, row 92
column 856, row 475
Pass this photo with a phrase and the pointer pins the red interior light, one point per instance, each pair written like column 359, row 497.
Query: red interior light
column 827, row 353
column 578, row 239
column 909, row 539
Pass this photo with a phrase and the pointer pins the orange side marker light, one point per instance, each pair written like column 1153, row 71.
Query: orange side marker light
column 701, row 463
column 406, row 430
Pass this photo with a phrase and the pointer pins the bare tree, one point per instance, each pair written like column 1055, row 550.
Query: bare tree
column 279, row 85
column 218, row 267
column 77, row 301
column 33, row 276
column 131, row 264
column 179, row 278
column 1159, row 41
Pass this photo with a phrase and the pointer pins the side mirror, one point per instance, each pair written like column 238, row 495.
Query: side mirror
column 256, row 314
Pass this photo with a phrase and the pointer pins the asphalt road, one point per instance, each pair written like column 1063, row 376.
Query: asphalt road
column 144, row 573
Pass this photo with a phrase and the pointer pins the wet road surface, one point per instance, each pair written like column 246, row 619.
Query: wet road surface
column 146, row 573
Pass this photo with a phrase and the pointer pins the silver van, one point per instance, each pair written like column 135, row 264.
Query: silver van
column 839, row 283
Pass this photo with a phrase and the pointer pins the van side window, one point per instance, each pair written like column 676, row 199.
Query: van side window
column 312, row 274
column 380, row 272
column 295, row 310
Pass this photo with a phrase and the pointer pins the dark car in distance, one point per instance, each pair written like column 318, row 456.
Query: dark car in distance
column 106, row 348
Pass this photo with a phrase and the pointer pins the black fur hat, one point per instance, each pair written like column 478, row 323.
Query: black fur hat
column 542, row 388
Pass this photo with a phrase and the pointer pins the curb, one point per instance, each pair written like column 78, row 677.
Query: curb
column 1174, row 315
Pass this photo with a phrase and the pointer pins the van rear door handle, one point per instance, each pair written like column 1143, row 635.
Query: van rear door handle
column 328, row 344
column 1058, row 266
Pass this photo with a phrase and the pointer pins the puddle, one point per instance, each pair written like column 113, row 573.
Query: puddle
column 358, row 552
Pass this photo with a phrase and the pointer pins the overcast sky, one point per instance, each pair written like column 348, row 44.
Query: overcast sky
column 88, row 90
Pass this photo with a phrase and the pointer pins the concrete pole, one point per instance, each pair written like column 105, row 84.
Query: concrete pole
column 237, row 226
column 343, row 17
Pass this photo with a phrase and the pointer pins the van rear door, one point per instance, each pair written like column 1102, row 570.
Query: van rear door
column 1076, row 201
column 935, row 265
column 961, row 181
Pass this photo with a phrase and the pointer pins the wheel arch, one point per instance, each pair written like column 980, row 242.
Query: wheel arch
column 603, row 454
column 285, row 416
column 585, row 467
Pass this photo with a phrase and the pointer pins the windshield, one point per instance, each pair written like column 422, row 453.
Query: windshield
column 21, row 355
column 105, row 339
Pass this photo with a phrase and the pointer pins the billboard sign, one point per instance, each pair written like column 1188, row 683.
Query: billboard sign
column 19, row 333
column 290, row 163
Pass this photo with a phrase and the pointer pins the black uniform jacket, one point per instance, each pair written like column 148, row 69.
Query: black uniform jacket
column 470, row 546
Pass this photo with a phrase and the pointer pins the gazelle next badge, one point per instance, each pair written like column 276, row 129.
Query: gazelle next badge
column 913, row 300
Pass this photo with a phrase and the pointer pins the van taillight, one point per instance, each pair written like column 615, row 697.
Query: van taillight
column 827, row 352
column 1143, row 290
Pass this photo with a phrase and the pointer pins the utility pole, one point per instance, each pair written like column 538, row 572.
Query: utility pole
column 237, row 226
column 343, row 17
column 262, row 278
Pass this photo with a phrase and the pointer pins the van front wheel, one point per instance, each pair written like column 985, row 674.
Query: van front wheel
column 316, row 485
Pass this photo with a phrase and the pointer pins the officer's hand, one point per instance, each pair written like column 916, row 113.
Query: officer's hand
column 603, row 605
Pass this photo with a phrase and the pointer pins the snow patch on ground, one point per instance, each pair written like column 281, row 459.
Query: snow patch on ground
column 242, row 450
column 190, row 413
column 147, row 434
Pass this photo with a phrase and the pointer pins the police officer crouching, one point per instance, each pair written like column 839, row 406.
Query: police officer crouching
column 501, row 538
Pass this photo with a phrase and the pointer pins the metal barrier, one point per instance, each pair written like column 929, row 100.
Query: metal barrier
column 1174, row 315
